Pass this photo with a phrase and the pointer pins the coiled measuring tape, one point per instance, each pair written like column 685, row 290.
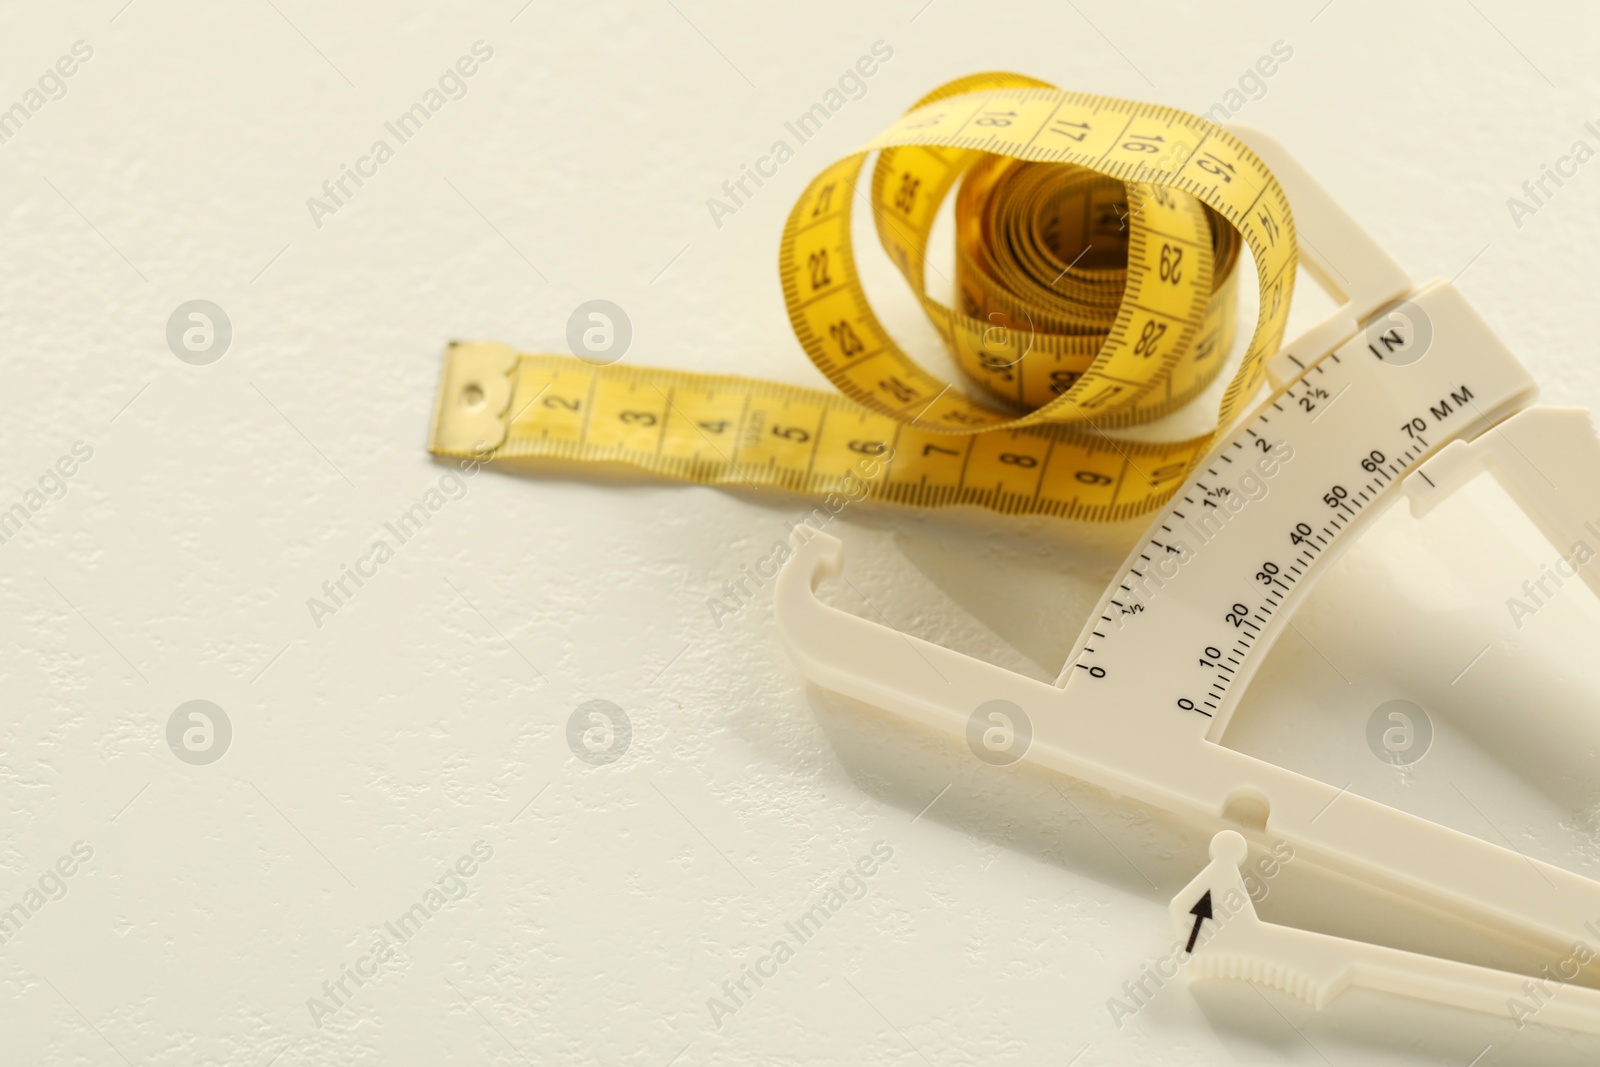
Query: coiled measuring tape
column 1096, row 272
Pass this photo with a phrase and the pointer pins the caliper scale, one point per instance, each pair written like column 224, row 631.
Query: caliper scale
column 1218, row 575
column 1404, row 392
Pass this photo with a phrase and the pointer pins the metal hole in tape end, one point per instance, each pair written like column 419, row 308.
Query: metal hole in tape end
column 472, row 416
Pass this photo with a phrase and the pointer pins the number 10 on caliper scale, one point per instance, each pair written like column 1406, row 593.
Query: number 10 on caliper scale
column 1403, row 392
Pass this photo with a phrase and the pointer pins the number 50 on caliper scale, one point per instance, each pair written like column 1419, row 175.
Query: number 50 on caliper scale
column 1403, row 392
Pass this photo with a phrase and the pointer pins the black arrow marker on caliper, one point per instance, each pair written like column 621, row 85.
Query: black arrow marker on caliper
column 1201, row 912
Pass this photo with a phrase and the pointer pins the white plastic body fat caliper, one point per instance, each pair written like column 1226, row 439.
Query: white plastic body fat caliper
column 1403, row 392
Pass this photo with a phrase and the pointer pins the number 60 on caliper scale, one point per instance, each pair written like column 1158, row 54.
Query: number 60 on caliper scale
column 1404, row 391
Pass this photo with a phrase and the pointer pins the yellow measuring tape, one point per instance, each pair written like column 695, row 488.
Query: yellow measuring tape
column 1097, row 242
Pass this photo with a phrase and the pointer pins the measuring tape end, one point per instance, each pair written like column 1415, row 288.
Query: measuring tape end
column 471, row 416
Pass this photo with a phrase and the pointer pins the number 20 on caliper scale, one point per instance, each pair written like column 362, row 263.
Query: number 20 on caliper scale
column 1403, row 392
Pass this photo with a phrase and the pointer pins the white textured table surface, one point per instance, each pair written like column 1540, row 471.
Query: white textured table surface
column 407, row 755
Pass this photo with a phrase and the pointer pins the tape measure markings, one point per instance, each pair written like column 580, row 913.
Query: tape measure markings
column 1122, row 343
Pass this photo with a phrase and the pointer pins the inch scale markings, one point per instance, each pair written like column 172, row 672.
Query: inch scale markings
column 1200, row 601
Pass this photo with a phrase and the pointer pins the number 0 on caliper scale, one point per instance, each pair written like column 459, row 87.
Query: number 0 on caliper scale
column 1404, row 391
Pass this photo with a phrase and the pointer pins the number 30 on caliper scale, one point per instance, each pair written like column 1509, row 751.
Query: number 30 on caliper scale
column 1404, row 391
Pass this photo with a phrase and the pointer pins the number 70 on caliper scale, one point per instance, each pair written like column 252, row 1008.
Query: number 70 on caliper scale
column 1404, row 392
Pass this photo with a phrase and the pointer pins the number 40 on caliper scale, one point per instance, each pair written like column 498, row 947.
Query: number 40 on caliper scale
column 1404, row 391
